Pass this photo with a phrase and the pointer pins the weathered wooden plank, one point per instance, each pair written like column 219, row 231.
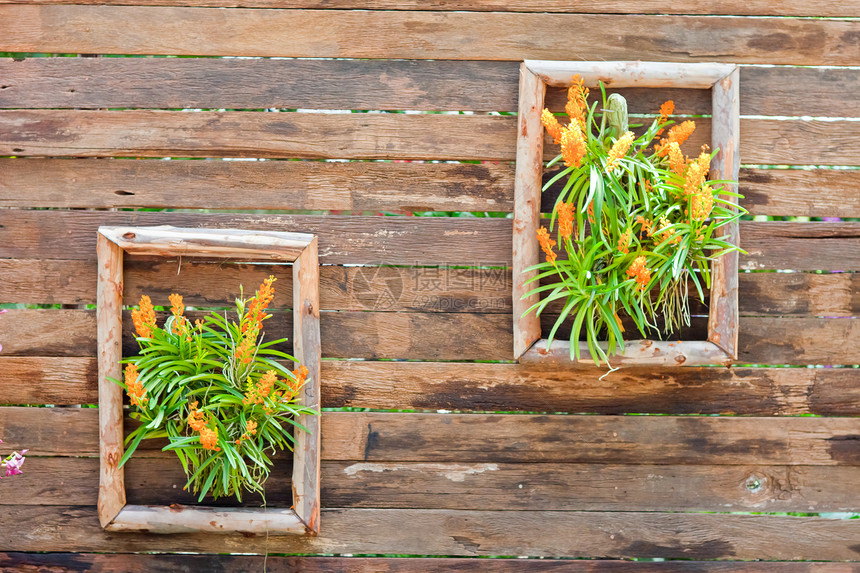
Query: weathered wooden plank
column 358, row 186
column 509, row 438
column 433, row 386
column 373, row 84
column 160, row 133
column 343, row 240
column 132, row 563
column 313, row 185
column 413, row 289
column 433, row 35
column 407, row 240
column 507, row 387
column 560, row 487
column 147, row 133
column 474, row 533
column 442, row 336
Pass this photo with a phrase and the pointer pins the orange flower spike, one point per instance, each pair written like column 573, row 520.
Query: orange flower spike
column 591, row 212
column 209, row 438
column 546, row 244
column 251, row 428
column 619, row 150
column 646, row 224
column 553, row 128
column 624, row 241
column 680, row 133
column 577, row 101
column 565, row 220
column 665, row 111
column 639, row 271
column 144, row 318
column 696, row 173
column 702, row 203
column 677, row 161
column 136, row 391
column 177, row 307
column 573, row 146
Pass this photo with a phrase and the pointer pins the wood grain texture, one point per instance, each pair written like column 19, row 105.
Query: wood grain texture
column 131, row 563
column 506, row 387
column 358, row 186
column 306, row 344
column 476, row 533
column 432, row 35
column 159, row 133
column 629, row 74
column 530, row 134
column 390, row 289
column 408, row 240
column 507, row 486
column 373, row 84
column 441, row 336
column 287, row 185
column 109, row 353
column 174, row 519
column 509, row 438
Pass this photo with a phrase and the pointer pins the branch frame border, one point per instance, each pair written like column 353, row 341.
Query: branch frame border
column 721, row 346
column 298, row 248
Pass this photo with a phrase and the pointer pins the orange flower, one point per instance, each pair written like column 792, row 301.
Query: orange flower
column 136, row 391
column 646, row 224
column 696, row 173
column 640, row 272
column 702, row 203
column 244, row 351
column 624, row 241
column 250, row 430
column 577, row 101
column 573, row 146
column 665, row 234
column 546, row 244
column 591, row 212
column 565, row 220
column 551, row 124
column 679, row 133
column 209, row 438
column 259, row 391
column 665, row 111
column 619, row 150
column 677, row 161
column 144, row 318
column 195, row 418
column 256, row 312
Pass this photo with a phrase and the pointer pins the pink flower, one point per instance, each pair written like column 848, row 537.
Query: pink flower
column 13, row 463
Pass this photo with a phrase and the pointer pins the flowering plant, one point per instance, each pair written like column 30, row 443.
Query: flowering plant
column 13, row 463
column 637, row 220
column 215, row 391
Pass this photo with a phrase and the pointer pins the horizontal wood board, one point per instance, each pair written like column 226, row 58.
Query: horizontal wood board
column 432, row 35
column 847, row 8
column 505, row 387
column 477, row 533
column 163, row 133
column 374, row 85
column 508, row 438
column 131, row 563
column 437, row 336
column 410, row 241
column 475, row 486
column 358, row 186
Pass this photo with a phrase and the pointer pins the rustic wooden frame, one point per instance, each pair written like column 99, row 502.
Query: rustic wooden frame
column 535, row 76
column 298, row 248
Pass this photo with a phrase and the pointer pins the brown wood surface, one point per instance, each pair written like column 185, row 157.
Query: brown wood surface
column 360, row 136
column 560, row 487
column 408, row 240
column 733, row 7
column 508, row 438
column 506, row 387
column 358, row 186
column 432, row 35
column 373, row 84
column 411, row 289
column 441, row 336
column 476, row 533
column 131, row 563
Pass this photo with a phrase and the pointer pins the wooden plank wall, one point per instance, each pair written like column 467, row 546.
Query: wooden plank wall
column 443, row 448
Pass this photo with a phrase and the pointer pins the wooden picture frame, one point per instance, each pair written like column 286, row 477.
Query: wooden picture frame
column 535, row 76
column 298, row 248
